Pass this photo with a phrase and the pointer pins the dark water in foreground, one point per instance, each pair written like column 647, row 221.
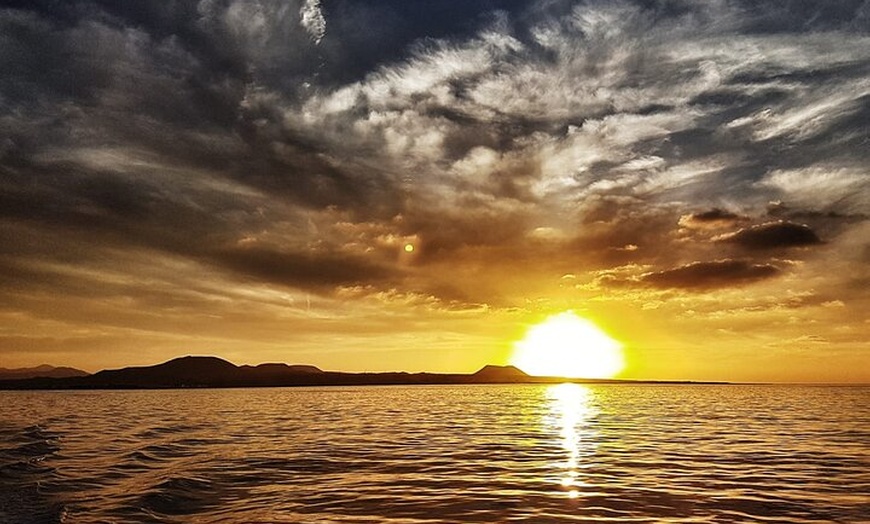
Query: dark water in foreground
column 438, row 454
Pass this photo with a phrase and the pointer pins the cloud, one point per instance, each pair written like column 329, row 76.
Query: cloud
column 299, row 270
column 713, row 219
column 833, row 304
column 313, row 20
column 842, row 189
column 715, row 274
column 772, row 235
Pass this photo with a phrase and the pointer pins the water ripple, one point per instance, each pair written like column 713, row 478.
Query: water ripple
column 406, row 455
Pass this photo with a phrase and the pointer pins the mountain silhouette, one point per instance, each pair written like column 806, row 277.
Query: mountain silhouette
column 279, row 369
column 208, row 371
column 202, row 371
column 41, row 371
column 510, row 373
column 179, row 372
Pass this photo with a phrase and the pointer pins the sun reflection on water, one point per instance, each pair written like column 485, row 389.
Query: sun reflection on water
column 571, row 409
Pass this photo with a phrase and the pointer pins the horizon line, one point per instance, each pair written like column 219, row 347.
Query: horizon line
column 611, row 380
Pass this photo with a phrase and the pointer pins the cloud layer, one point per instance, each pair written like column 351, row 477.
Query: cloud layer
column 289, row 147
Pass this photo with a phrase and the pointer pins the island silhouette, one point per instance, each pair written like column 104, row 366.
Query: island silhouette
column 213, row 372
column 41, row 371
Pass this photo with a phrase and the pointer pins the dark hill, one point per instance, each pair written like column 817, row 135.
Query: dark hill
column 41, row 371
column 194, row 371
column 277, row 371
column 273, row 367
column 197, row 371
column 301, row 368
column 183, row 371
column 492, row 373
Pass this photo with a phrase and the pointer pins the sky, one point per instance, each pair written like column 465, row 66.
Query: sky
column 241, row 177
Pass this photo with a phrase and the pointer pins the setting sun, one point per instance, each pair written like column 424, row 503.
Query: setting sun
column 566, row 345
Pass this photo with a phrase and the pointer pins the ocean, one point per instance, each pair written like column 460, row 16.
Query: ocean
column 413, row 454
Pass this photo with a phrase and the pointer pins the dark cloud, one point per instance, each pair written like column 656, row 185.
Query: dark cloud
column 300, row 270
column 784, row 17
column 716, row 274
column 553, row 133
column 102, row 208
column 714, row 218
column 402, row 29
column 101, row 218
column 138, row 79
column 772, row 235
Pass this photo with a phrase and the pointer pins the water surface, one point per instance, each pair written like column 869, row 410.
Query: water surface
column 568, row 453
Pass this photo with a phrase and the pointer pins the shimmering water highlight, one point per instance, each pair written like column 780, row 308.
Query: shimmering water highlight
column 566, row 453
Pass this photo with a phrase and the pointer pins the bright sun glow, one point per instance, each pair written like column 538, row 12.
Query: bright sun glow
column 566, row 345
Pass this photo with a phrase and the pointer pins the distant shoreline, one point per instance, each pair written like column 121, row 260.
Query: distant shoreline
column 8, row 386
column 197, row 372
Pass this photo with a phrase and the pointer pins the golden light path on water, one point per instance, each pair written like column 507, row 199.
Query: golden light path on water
column 400, row 455
column 570, row 413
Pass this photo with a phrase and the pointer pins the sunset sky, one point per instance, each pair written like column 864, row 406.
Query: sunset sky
column 240, row 178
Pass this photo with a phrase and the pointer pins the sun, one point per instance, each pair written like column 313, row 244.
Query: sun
column 566, row 345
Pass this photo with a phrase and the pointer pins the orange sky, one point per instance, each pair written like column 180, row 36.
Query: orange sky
column 243, row 181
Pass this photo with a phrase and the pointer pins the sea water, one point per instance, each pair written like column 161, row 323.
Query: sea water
column 518, row 453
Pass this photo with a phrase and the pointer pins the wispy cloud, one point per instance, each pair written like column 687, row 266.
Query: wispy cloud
column 313, row 20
